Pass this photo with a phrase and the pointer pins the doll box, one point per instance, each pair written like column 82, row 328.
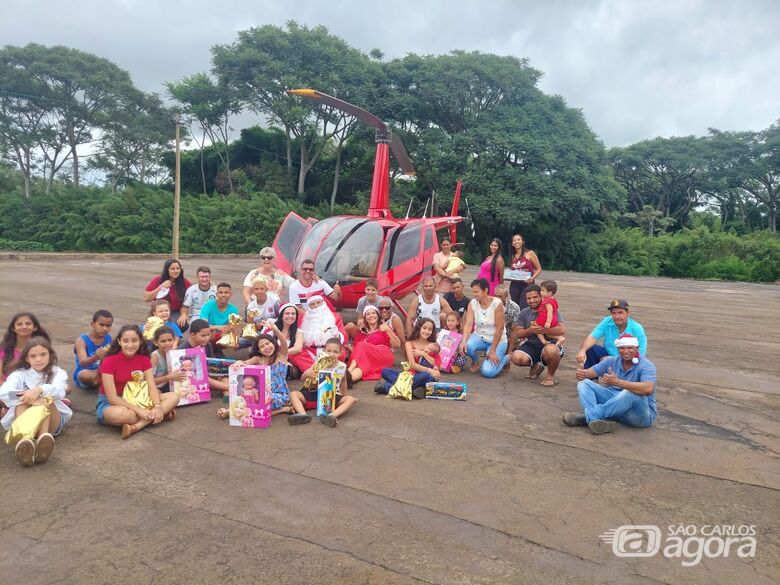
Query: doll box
column 249, row 390
column 192, row 361
column 448, row 341
column 446, row 390
column 328, row 383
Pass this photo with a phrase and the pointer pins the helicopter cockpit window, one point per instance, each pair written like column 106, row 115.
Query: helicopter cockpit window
column 312, row 240
column 350, row 252
column 403, row 245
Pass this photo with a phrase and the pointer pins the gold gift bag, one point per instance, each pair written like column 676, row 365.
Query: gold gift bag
column 403, row 385
column 249, row 329
column 230, row 339
column 152, row 325
column 26, row 425
column 137, row 392
column 324, row 362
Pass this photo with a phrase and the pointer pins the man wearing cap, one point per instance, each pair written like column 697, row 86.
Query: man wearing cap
column 610, row 328
column 629, row 396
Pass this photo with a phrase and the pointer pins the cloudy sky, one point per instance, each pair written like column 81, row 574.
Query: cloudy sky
column 637, row 69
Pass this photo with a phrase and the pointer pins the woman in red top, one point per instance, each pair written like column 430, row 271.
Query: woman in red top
column 128, row 354
column 372, row 351
column 527, row 261
column 170, row 285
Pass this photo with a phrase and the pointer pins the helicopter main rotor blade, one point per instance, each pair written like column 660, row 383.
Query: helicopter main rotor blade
column 364, row 116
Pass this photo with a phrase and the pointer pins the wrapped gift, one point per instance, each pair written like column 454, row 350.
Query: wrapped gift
column 230, row 339
column 27, row 424
column 448, row 341
column 195, row 387
column 250, row 330
column 403, row 385
column 328, row 384
column 250, row 396
column 152, row 324
column 446, row 390
column 522, row 275
column 324, row 362
column 136, row 391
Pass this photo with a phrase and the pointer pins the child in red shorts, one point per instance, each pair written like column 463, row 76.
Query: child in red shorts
column 547, row 312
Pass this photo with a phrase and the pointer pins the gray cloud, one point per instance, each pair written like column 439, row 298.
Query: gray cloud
column 637, row 69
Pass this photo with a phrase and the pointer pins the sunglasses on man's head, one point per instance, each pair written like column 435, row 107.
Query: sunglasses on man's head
column 266, row 257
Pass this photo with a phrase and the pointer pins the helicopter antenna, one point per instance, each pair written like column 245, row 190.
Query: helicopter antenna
column 425, row 211
column 409, row 209
column 471, row 219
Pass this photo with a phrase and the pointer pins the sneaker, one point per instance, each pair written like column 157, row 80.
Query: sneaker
column 298, row 419
column 44, row 448
column 418, row 392
column 575, row 419
column 25, row 453
column 600, row 427
column 329, row 420
column 379, row 387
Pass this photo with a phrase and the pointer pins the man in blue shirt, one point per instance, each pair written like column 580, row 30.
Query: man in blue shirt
column 629, row 396
column 609, row 329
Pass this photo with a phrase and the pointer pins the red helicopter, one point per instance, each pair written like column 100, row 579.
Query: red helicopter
column 350, row 249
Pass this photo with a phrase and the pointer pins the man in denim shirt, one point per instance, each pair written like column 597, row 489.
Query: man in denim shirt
column 629, row 397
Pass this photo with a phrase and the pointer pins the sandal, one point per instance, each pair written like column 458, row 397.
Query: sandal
column 535, row 371
column 223, row 413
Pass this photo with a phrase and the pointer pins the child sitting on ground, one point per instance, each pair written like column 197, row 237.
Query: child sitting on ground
column 332, row 350
column 452, row 325
column 90, row 348
column 35, row 380
column 547, row 312
column 160, row 309
column 164, row 341
column 199, row 336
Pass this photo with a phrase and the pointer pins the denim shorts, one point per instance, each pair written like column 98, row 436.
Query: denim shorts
column 101, row 406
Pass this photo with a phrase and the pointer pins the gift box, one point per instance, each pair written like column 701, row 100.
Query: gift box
column 448, row 341
column 510, row 274
column 446, row 390
column 219, row 367
column 250, row 397
column 328, row 383
column 191, row 361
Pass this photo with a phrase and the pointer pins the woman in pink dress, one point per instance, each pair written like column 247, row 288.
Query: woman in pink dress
column 372, row 350
column 492, row 267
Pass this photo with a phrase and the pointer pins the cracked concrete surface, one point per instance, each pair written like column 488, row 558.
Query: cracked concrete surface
column 493, row 490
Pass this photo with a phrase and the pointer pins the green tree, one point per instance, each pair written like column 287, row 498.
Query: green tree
column 267, row 61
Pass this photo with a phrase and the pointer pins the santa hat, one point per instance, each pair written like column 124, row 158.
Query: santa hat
column 628, row 340
column 368, row 308
column 314, row 298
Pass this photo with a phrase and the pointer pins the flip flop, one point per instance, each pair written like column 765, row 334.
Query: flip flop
column 549, row 383
column 535, row 371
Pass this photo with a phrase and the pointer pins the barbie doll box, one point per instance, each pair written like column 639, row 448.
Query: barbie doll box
column 195, row 387
column 250, row 396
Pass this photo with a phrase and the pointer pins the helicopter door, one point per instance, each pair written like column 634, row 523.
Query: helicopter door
column 288, row 240
column 402, row 261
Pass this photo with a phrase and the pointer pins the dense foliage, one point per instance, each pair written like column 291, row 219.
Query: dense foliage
column 703, row 207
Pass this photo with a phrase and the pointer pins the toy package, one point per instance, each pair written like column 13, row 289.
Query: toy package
column 522, row 275
column 219, row 367
column 448, row 342
column 446, row 390
column 195, row 387
column 328, row 383
column 250, row 397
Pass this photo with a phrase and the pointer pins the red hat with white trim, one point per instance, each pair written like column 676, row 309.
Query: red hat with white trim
column 628, row 340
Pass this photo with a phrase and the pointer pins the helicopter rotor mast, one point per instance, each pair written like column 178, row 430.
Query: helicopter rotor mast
column 379, row 205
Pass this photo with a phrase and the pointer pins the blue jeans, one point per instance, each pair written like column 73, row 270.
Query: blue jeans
column 594, row 355
column 390, row 375
column 614, row 403
column 488, row 369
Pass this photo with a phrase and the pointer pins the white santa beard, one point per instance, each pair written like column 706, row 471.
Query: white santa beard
column 318, row 326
